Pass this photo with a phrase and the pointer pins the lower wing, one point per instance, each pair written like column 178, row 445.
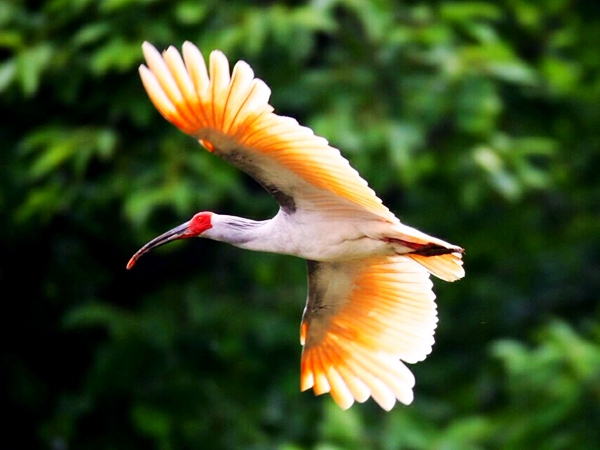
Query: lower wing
column 364, row 318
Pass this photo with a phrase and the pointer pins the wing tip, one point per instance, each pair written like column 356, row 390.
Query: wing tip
column 203, row 94
column 349, row 380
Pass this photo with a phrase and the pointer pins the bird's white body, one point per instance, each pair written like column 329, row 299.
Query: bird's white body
column 306, row 237
column 370, row 305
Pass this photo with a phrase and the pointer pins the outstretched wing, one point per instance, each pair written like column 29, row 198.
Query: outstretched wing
column 364, row 318
column 230, row 115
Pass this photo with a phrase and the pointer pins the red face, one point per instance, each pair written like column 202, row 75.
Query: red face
column 199, row 224
column 195, row 227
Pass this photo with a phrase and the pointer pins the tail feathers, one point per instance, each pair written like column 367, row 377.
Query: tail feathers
column 448, row 267
column 441, row 258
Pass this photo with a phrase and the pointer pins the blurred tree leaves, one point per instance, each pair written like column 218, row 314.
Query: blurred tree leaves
column 475, row 121
column 557, row 384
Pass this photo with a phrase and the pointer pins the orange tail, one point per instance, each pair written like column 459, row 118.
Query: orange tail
column 441, row 258
column 448, row 267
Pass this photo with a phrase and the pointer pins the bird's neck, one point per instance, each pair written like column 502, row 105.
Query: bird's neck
column 238, row 231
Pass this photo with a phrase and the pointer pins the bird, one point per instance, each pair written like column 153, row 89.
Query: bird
column 370, row 307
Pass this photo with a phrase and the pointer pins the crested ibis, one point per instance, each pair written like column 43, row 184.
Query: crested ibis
column 370, row 306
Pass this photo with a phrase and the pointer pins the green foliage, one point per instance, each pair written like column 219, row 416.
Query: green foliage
column 557, row 384
column 474, row 121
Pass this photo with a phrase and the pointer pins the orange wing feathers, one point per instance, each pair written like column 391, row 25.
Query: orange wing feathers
column 362, row 318
column 231, row 114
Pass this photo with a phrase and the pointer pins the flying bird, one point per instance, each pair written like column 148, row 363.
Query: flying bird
column 370, row 306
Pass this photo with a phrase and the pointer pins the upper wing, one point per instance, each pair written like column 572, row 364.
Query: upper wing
column 230, row 115
column 361, row 319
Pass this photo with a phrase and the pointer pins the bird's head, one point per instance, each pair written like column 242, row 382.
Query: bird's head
column 194, row 227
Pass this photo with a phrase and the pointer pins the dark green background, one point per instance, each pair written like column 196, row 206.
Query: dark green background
column 478, row 122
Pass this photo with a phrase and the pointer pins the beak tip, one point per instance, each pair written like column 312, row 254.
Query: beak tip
column 171, row 235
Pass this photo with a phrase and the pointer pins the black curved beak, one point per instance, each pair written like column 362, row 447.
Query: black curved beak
column 176, row 233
